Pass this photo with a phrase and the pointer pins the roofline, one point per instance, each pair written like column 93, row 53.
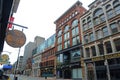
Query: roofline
column 78, row 2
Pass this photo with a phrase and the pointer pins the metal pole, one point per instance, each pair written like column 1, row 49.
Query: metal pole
column 16, row 66
column 18, row 25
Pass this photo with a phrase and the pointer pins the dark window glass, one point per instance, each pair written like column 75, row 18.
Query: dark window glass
column 93, row 50
column 108, row 47
column 87, row 52
column 117, row 44
column 111, row 61
column 99, row 63
column 101, row 49
column 118, row 60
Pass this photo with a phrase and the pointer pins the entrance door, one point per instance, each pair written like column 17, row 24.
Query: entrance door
column 67, row 74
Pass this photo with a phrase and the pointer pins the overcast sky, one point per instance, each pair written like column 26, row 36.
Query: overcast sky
column 39, row 17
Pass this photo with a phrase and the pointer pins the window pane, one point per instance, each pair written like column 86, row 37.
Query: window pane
column 66, row 28
column 74, row 23
column 93, row 50
column 101, row 49
column 117, row 9
column 90, row 24
column 74, row 42
column 105, row 32
column 96, row 21
column 86, row 39
column 117, row 44
column 110, row 14
column 98, row 34
column 114, row 28
column 108, row 47
column 87, row 52
column 102, row 18
column 91, row 37
column 85, row 27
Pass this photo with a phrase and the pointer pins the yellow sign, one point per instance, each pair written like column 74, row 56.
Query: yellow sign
column 116, row 55
column 98, row 58
column 110, row 56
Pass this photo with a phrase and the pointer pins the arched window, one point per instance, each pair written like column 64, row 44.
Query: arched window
column 116, row 2
column 108, row 7
column 89, row 23
column 98, row 16
column 97, row 12
column 109, row 11
column 75, row 23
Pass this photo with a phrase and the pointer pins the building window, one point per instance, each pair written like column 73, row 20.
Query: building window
column 59, row 39
column 102, row 18
column 85, row 27
column 117, row 9
column 92, row 37
column 96, row 21
column 108, row 7
column 93, row 50
column 60, row 33
column 75, row 55
column 101, row 49
column 75, row 23
column 66, row 36
column 108, row 47
column 59, row 47
column 98, row 16
column 110, row 14
column 75, row 40
column 117, row 44
column 78, row 39
column 90, row 24
column 105, row 32
column 114, row 28
column 66, row 28
column 98, row 34
column 75, row 31
column 66, row 44
column 87, row 52
column 86, row 39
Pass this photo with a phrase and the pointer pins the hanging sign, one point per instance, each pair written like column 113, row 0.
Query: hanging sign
column 15, row 38
column 4, row 59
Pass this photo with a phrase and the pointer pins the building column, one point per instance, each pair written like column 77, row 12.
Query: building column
column 86, row 73
column 112, row 45
column 97, row 50
column 95, row 71
column 108, row 70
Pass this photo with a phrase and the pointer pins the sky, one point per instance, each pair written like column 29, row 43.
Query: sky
column 39, row 17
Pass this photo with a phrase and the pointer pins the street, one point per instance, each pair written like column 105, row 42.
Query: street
column 22, row 77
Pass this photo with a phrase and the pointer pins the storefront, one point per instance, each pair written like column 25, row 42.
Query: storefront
column 104, row 67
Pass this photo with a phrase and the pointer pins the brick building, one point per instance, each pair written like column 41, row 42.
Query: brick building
column 68, row 43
